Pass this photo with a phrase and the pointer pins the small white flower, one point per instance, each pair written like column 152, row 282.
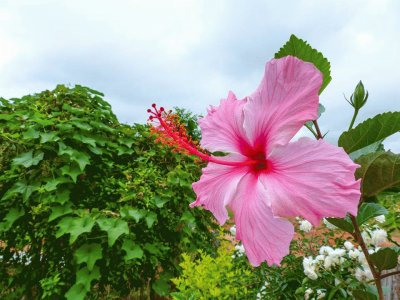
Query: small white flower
column 380, row 219
column 329, row 225
column 328, row 262
column 305, row 226
column 319, row 258
column 378, row 237
column 348, row 245
column 354, row 254
column 321, row 294
column 307, row 293
column 325, row 250
column 233, row 230
column 363, row 274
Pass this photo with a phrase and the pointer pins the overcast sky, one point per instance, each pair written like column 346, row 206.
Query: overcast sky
column 191, row 53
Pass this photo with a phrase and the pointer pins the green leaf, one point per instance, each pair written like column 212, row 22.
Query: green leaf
column 159, row 202
column 74, row 226
column 30, row 134
column 114, row 228
column 150, row 219
column 367, row 150
column 132, row 250
column 85, row 276
column 161, row 286
column 379, row 171
column 370, row 131
column 59, row 211
column 89, row 254
column 62, row 196
column 84, row 139
column 384, row 259
column 364, row 295
column 132, row 213
column 52, row 184
column 80, row 157
column 27, row 159
column 48, row 137
column 72, row 171
column 368, row 211
column 81, row 125
column 13, row 215
column 76, row 292
column 302, row 50
column 344, row 224
column 20, row 187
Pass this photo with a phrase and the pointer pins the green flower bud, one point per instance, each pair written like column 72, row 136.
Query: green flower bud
column 359, row 97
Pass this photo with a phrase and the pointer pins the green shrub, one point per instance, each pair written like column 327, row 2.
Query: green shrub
column 88, row 203
column 208, row 277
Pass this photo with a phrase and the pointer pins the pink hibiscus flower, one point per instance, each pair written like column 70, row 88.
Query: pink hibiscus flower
column 264, row 179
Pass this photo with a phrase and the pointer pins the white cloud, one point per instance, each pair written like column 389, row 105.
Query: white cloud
column 191, row 53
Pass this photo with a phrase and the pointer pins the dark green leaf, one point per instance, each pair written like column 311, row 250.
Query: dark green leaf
column 76, row 292
column 27, row 159
column 59, row 211
column 132, row 250
column 48, row 137
column 89, row 254
column 370, row 131
column 343, row 224
column 72, row 171
column 368, row 211
column 85, row 276
column 364, row 295
column 384, row 259
column 379, row 171
column 129, row 212
column 302, row 50
column 13, row 215
column 114, row 228
column 75, row 227
column 151, row 217
column 159, row 202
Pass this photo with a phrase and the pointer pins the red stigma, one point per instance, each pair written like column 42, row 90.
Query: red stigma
column 171, row 132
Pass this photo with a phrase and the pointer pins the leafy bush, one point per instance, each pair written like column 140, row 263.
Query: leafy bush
column 89, row 204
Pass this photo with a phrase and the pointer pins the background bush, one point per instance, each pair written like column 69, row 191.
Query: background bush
column 88, row 203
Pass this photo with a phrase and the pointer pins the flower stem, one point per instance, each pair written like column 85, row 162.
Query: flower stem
column 375, row 273
column 353, row 119
column 319, row 134
column 390, row 274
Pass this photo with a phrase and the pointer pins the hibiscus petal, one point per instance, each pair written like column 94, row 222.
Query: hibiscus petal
column 222, row 128
column 264, row 237
column 312, row 179
column 217, row 185
column 286, row 98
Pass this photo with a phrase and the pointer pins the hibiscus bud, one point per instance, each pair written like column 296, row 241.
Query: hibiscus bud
column 359, row 97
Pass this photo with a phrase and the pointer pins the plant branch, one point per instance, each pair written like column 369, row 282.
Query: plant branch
column 319, row 134
column 358, row 237
column 390, row 274
column 353, row 119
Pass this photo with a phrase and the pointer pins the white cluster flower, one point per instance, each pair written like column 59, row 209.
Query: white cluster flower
column 374, row 237
column 380, row 219
column 321, row 294
column 308, row 293
column 233, row 230
column 348, row 245
column 239, row 251
column 305, row 226
column 363, row 274
column 310, row 266
column 262, row 291
column 329, row 225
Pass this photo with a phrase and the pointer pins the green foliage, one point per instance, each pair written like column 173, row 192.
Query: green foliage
column 344, row 224
column 208, row 277
column 379, row 171
column 91, row 203
column 301, row 49
column 368, row 211
column 370, row 131
column 385, row 259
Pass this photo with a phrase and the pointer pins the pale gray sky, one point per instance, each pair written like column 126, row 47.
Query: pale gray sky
column 190, row 53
